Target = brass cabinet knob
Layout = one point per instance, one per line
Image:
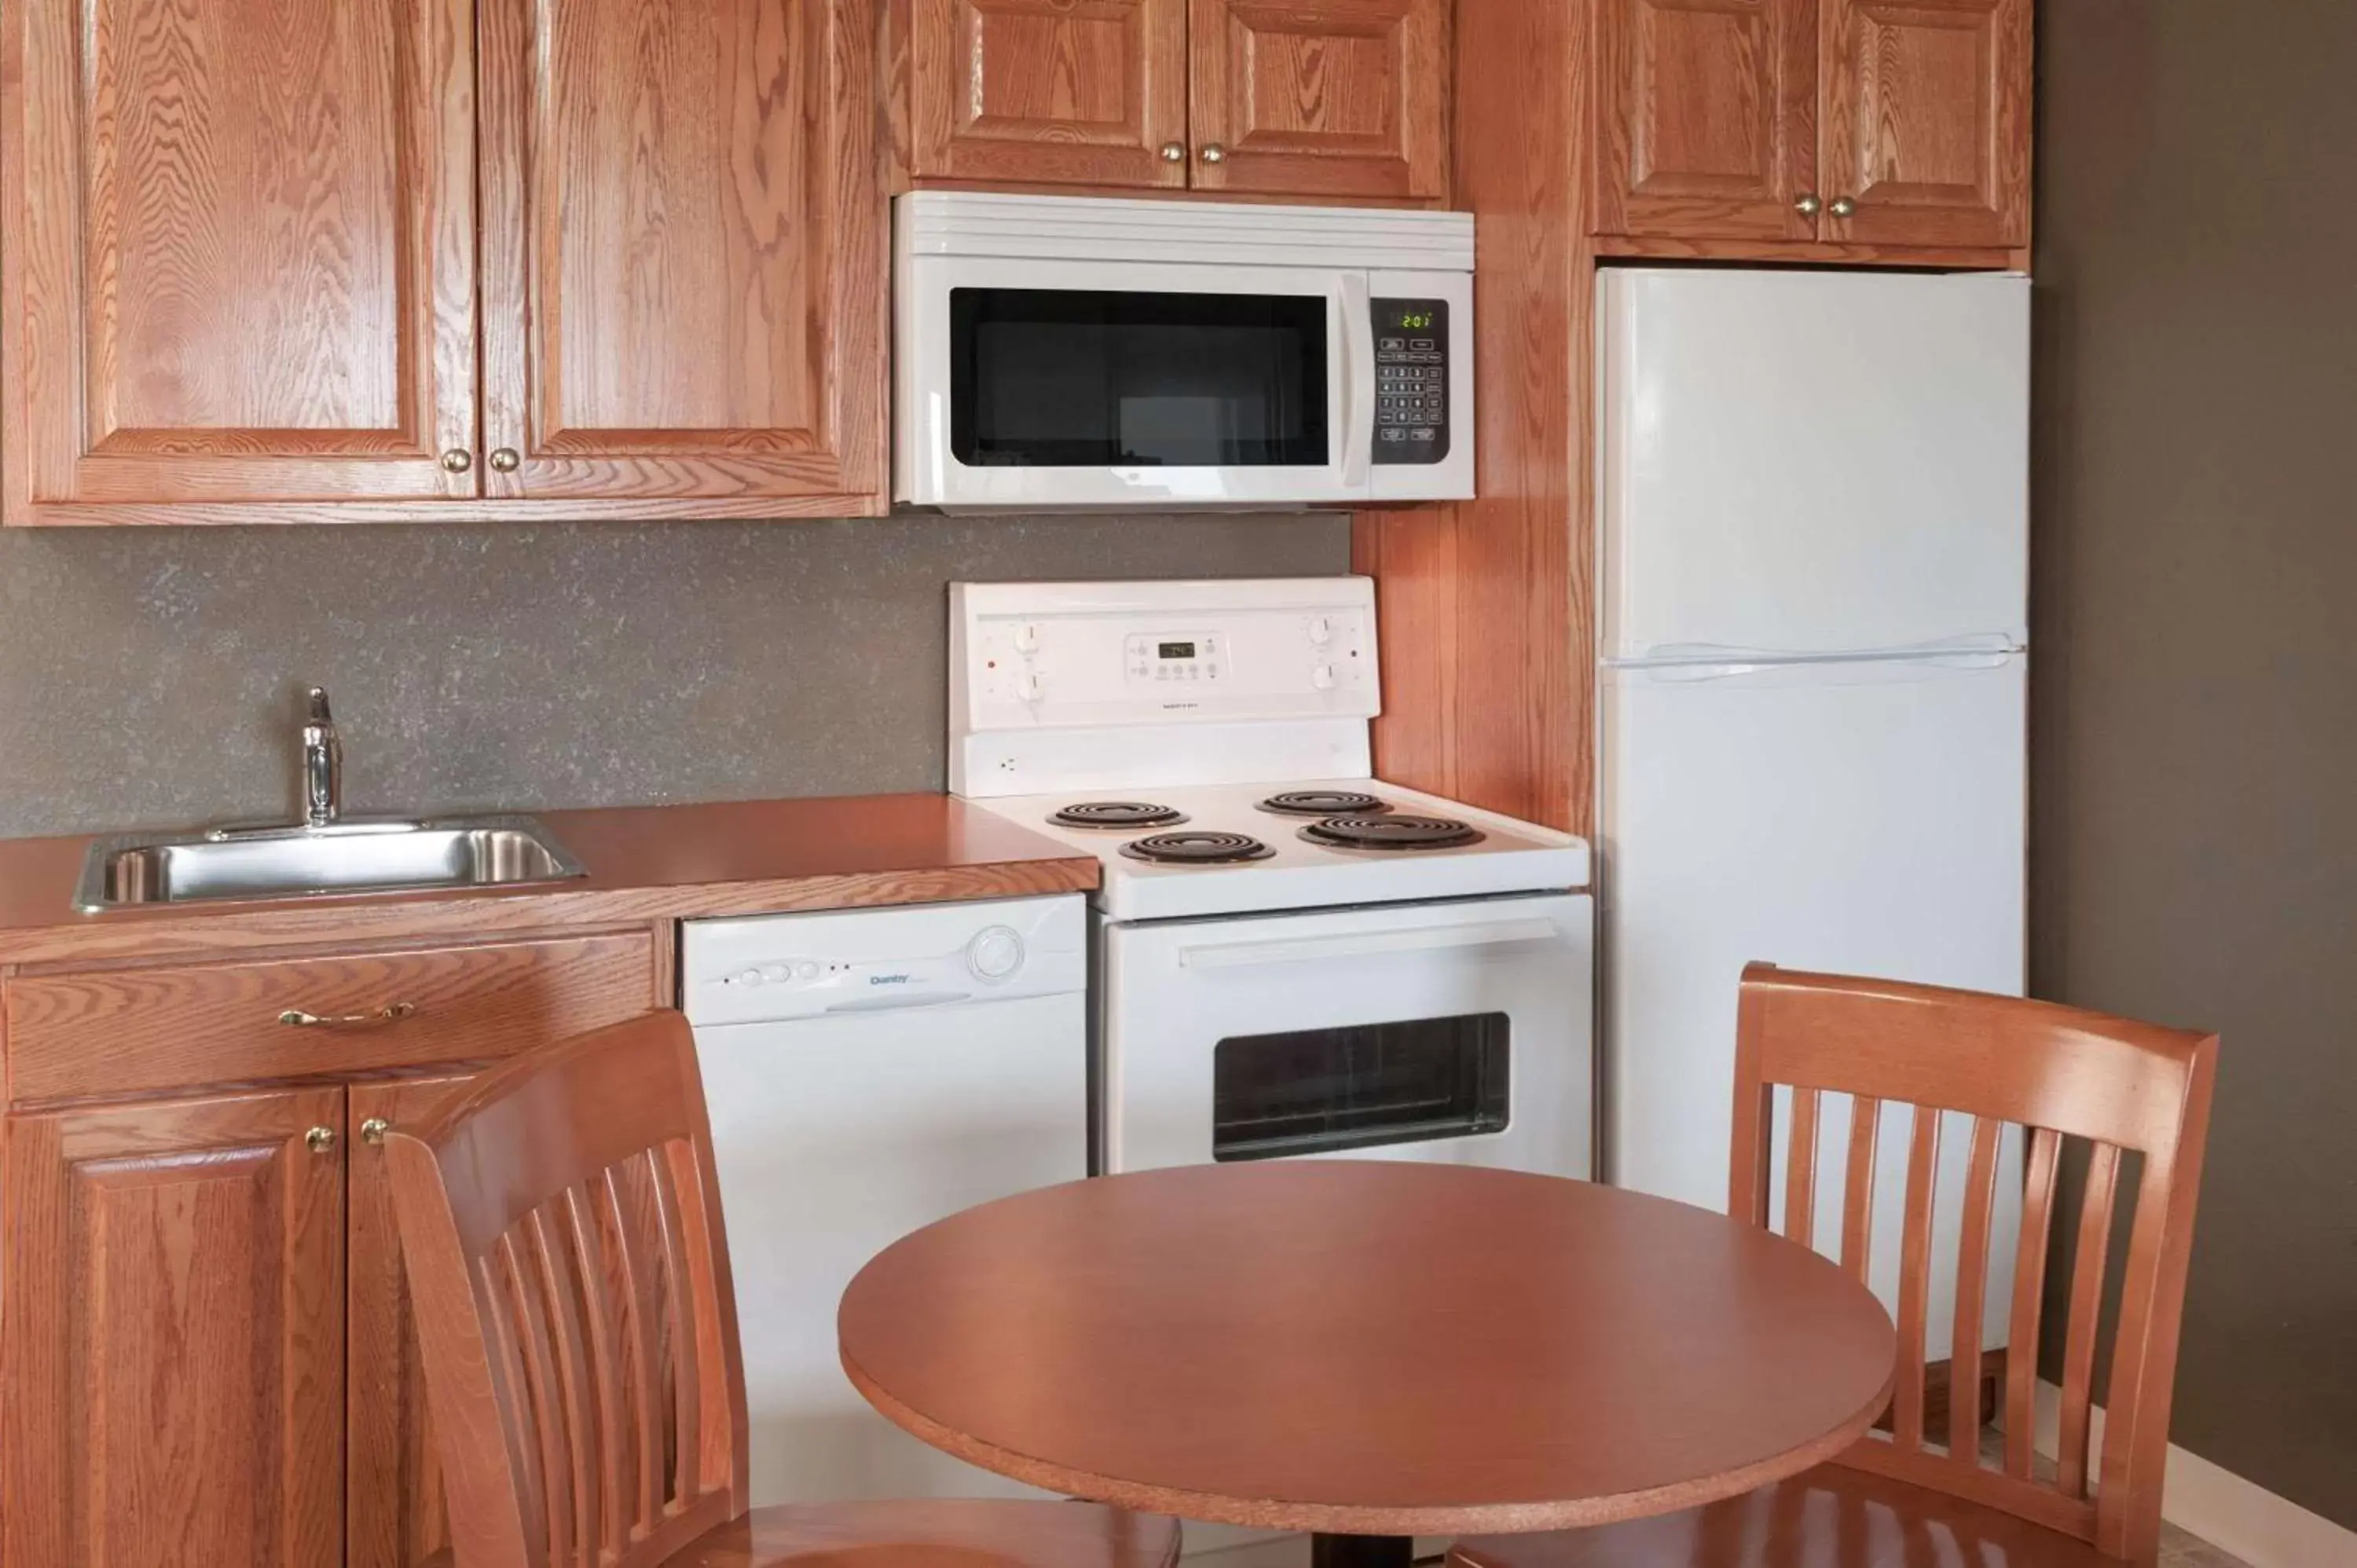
(373, 1129)
(1842, 207)
(458, 460)
(322, 1140)
(506, 459)
(1215, 153)
(1808, 206)
(1173, 152)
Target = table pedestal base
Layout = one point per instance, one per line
(1361, 1550)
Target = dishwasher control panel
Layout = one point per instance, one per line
(773, 967)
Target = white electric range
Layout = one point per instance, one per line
(1292, 957)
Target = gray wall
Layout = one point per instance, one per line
(2195, 835)
(148, 677)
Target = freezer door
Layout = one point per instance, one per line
(1861, 819)
(1810, 461)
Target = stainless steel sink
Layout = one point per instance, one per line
(299, 861)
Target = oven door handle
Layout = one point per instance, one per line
(1365, 944)
(1357, 380)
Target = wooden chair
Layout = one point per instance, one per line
(1905, 1498)
(562, 1227)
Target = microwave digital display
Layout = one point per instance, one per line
(1177, 650)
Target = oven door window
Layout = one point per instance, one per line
(1083, 379)
(1321, 1090)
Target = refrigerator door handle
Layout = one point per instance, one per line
(1714, 661)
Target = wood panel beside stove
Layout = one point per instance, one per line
(1485, 605)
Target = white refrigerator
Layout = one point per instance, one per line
(1812, 585)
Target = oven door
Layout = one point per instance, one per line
(1028, 383)
(1448, 1032)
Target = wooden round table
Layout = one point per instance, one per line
(1366, 1349)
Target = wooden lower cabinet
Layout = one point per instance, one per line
(174, 1362)
(394, 1512)
(206, 1358)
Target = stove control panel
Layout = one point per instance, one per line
(1060, 654)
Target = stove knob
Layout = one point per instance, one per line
(995, 954)
(1322, 677)
(1321, 631)
(1027, 639)
(1030, 686)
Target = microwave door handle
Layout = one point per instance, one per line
(1314, 950)
(1358, 359)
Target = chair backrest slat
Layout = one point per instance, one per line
(1857, 1184)
(562, 1235)
(2068, 1078)
(2029, 1299)
(2079, 1330)
(1972, 1288)
(1915, 1278)
(1801, 1170)
(586, 1240)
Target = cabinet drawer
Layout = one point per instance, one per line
(132, 1031)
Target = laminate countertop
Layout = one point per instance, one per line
(644, 863)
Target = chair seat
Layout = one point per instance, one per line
(937, 1534)
(1830, 1517)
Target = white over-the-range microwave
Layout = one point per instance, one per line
(1079, 353)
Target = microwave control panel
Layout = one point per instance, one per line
(1411, 380)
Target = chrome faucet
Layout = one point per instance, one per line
(323, 764)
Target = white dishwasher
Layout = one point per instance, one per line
(869, 1072)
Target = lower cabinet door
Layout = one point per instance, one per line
(394, 1512)
(174, 1360)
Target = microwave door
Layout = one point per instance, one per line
(1028, 384)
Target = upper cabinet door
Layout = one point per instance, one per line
(239, 251)
(1707, 118)
(1321, 97)
(1060, 92)
(1927, 121)
(683, 278)
(173, 1349)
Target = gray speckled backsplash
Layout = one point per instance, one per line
(148, 677)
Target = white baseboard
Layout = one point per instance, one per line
(2229, 1512)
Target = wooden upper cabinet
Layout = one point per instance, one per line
(683, 273)
(1707, 118)
(239, 251)
(1327, 98)
(1927, 110)
(172, 1354)
(1057, 91)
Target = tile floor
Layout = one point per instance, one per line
(2178, 1550)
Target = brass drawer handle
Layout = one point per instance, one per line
(320, 1140)
(373, 1129)
(391, 1012)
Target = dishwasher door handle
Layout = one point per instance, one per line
(903, 1001)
